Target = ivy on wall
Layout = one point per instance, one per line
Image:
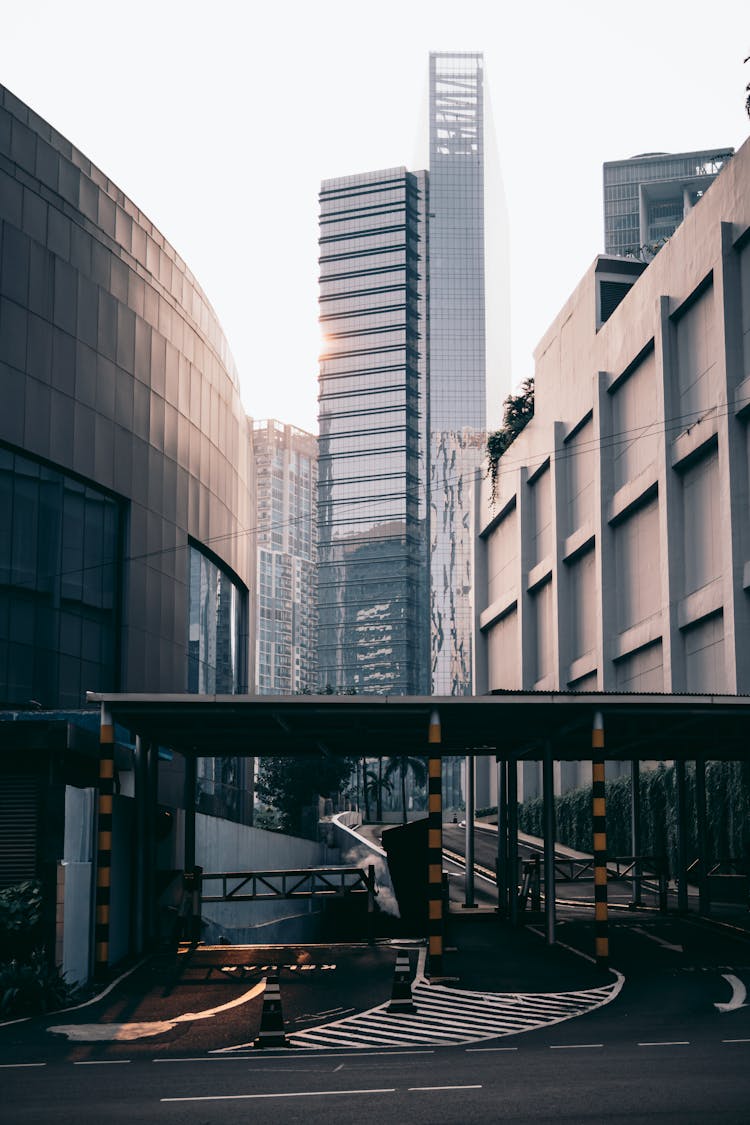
(727, 814)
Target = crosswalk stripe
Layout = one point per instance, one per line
(451, 1016)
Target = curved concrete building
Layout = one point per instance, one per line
(125, 490)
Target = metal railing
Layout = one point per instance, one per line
(312, 882)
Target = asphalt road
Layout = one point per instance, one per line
(577, 1076)
(673, 1045)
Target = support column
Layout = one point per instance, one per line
(141, 849)
(513, 841)
(501, 866)
(682, 889)
(189, 802)
(635, 828)
(150, 843)
(469, 899)
(599, 819)
(188, 922)
(434, 852)
(704, 899)
(548, 791)
(104, 841)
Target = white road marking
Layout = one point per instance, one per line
(125, 1032)
(215, 1058)
(298, 1094)
(452, 1016)
(573, 1046)
(228, 1052)
(668, 1043)
(658, 940)
(417, 1089)
(735, 1040)
(739, 994)
(19, 1066)
(102, 1062)
(108, 989)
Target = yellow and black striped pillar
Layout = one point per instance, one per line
(104, 840)
(435, 852)
(599, 812)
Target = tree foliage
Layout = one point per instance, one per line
(290, 785)
(518, 410)
(375, 786)
(727, 814)
(400, 768)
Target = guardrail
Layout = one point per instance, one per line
(312, 882)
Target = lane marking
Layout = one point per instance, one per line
(299, 1094)
(102, 1062)
(19, 1066)
(723, 1041)
(739, 994)
(668, 1043)
(573, 1046)
(658, 940)
(322, 1053)
(214, 1058)
(416, 1089)
(485, 1050)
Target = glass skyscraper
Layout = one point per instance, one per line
(405, 268)
(458, 404)
(285, 460)
(373, 584)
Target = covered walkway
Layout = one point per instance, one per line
(510, 726)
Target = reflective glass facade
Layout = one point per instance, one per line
(647, 197)
(457, 354)
(286, 473)
(216, 636)
(372, 477)
(59, 585)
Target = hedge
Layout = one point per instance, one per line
(727, 814)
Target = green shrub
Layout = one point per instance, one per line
(727, 814)
(21, 907)
(30, 987)
(20, 919)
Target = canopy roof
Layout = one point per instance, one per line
(507, 724)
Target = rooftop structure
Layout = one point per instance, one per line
(647, 197)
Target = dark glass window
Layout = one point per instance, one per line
(59, 585)
(216, 636)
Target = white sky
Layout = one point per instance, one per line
(220, 119)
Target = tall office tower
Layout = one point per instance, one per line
(648, 196)
(458, 351)
(373, 587)
(286, 481)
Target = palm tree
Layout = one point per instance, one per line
(365, 788)
(401, 766)
(375, 785)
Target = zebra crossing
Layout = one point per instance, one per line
(447, 1016)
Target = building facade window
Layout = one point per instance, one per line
(59, 585)
(216, 628)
